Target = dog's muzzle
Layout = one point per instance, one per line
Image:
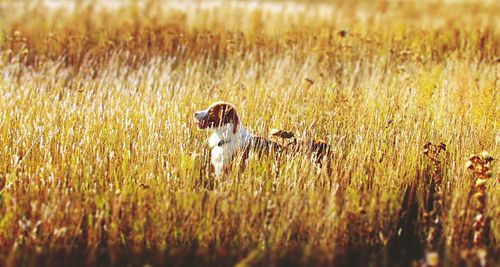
(201, 118)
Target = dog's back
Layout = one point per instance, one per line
(261, 147)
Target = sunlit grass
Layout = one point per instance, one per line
(99, 149)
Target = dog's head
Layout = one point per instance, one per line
(217, 115)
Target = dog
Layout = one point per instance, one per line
(230, 138)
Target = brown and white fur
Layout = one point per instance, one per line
(229, 138)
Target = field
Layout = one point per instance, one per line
(101, 162)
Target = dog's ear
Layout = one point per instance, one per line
(236, 120)
(229, 115)
(221, 113)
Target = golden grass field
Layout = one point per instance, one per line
(101, 162)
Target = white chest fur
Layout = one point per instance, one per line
(225, 144)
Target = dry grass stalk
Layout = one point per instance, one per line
(121, 165)
(434, 215)
(481, 167)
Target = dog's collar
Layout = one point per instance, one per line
(223, 142)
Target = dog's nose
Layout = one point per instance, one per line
(200, 115)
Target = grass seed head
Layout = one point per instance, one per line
(342, 33)
(432, 258)
(481, 164)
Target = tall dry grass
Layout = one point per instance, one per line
(100, 158)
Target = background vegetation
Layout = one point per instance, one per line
(101, 163)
